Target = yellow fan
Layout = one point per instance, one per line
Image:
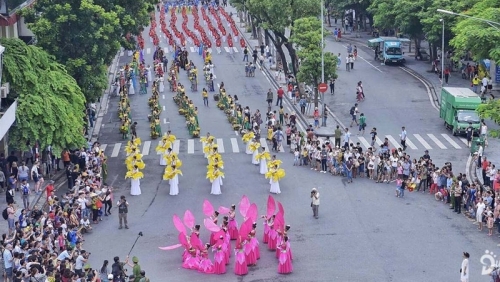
(137, 141)
(213, 174)
(140, 164)
(248, 137)
(254, 146)
(264, 156)
(170, 138)
(212, 157)
(274, 163)
(134, 174)
(130, 148)
(170, 174)
(178, 163)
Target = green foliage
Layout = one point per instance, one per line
(491, 110)
(81, 35)
(477, 36)
(307, 37)
(401, 14)
(50, 103)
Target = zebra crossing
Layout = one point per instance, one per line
(415, 141)
(236, 145)
(189, 146)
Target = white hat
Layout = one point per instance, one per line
(110, 276)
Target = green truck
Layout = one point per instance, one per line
(458, 109)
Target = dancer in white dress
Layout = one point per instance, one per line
(255, 147)
(263, 162)
(216, 183)
(150, 75)
(135, 184)
(247, 148)
(275, 187)
(162, 84)
(131, 90)
(174, 184)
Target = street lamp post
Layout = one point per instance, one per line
(491, 23)
(323, 120)
(442, 54)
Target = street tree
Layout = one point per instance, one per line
(79, 34)
(491, 110)
(307, 38)
(276, 17)
(50, 103)
(133, 15)
(476, 36)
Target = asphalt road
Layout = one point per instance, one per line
(364, 233)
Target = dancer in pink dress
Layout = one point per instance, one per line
(191, 261)
(214, 219)
(285, 263)
(273, 235)
(233, 224)
(254, 241)
(281, 235)
(240, 266)
(226, 245)
(250, 257)
(219, 258)
(265, 237)
(206, 265)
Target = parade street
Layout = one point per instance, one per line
(363, 233)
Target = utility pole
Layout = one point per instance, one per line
(323, 123)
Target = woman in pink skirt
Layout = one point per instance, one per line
(281, 235)
(226, 246)
(250, 257)
(206, 265)
(191, 261)
(214, 219)
(254, 242)
(285, 263)
(233, 224)
(273, 235)
(219, 260)
(240, 266)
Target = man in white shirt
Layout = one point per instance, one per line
(346, 138)
(403, 138)
(80, 261)
(464, 269)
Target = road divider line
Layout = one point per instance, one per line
(234, 145)
(451, 141)
(263, 143)
(190, 146)
(177, 145)
(422, 141)
(220, 145)
(435, 140)
(145, 148)
(163, 108)
(410, 144)
(393, 141)
(103, 147)
(116, 150)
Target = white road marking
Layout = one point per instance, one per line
(422, 141)
(220, 145)
(410, 144)
(177, 145)
(234, 145)
(130, 53)
(165, 50)
(148, 51)
(164, 108)
(116, 150)
(236, 132)
(393, 141)
(439, 143)
(158, 153)
(263, 143)
(122, 53)
(190, 146)
(103, 147)
(378, 142)
(164, 121)
(375, 67)
(163, 96)
(235, 49)
(192, 49)
(364, 142)
(145, 148)
(464, 141)
(227, 49)
(451, 141)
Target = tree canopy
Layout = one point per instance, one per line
(50, 104)
(307, 38)
(477, 36)
(491, 110)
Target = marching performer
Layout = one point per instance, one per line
(247, 139)
(215, 176)
(163, 147)
(135, 184)
(263, 157)
(172, 175)
(254, 147)
(205, 141)
(274, 175)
